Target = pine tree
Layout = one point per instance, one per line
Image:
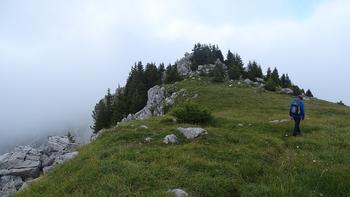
(230, 58)
(296, 90)
(234, 72)
(254, 71)
(288, 81)
(152, 76)
(270, 85)
(161, 71)
(119, 106)
(268, 74)
(218, 73)
(171, 74)
(309, 93)
(99, 116)
(109, 110)
(283, 80)
(275, 76)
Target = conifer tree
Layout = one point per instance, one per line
(119, 106)
(161, 72)
(171, 74)
(218, 73)
(309, 93)
(275, 76)
(254, 71)
(99, 116)
(109, 110)
(152, 76)
(268, 74)
(234, 72)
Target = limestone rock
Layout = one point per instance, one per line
(178, 192)
(170, 139)
(191, 133)
(94, 136)
(9, 185)
(287, 91)
(24, 161)
(184, 65)
(66, 157)
(61, 144)
(154, 106)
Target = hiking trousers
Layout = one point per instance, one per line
(296, 130)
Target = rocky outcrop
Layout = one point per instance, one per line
(156, 103)
(191, 133)
(154, 106)
(184, 65)
(26, 163)
(9, 185)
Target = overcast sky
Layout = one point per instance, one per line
(57, 58)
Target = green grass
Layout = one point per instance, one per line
(254, 160)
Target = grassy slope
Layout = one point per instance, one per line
(253, 160)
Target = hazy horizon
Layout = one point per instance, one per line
(58, 58)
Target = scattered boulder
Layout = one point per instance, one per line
(61, 144)
(170, 139)
(240, 125)
(178, 192)
(191, 133)
(143, 127)
(248, 82)
(148, 140)
(260, 80)
(279, 121)
(287, 91)
(66, 157)
(205, 69)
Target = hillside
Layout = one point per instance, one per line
(243, 154)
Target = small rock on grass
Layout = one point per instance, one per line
(178, 192)
(143, 127)
(170, 139)
(148, 139)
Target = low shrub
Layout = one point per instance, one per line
(192, 113)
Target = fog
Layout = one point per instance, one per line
(57, 58)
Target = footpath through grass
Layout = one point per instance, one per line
(255, 159)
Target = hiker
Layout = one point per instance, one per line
(296, 111)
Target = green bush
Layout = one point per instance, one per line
(192, 113)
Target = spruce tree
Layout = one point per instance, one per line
(284, 82)
(268, 74)
(254, 71)
(99, 116)
(152, 76)
(234, 72)
(309, 93)
(109, 110)
(218, 73)
(119, 106)
(275, 76)
(270, 85)
(171, 74)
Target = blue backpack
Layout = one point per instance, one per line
(294, 109)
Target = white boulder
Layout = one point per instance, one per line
(191, 133)
(170, 139)
(178, 192)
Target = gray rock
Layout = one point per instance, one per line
(191, 133)
(205, 69)
(171, 100)
(154, 106)
(248, 82)
(184, 65)
(9, 185)
(148, 140)
(48, 169)
(170, 139)
(94, 136)
(66, 157)
(61, 144)
(260, 80)
(287, 91)
(178, 192)
(143, 127)
(24, 161)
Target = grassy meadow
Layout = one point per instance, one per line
(242, 155)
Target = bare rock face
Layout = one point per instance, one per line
(191, 133)
(9, 185)
(184, 65)
(154, 106)
(24, 162)
(60, 144)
